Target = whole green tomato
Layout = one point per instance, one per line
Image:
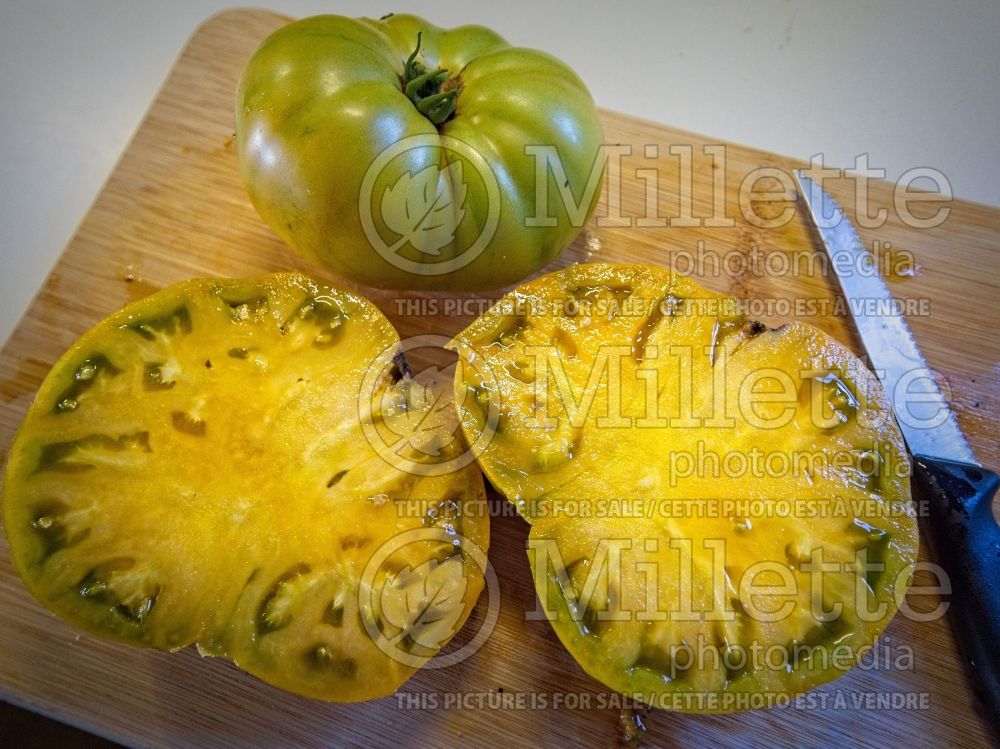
(402, 155)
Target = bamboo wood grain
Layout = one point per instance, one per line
(174, 208)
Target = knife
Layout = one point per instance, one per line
(958, 492)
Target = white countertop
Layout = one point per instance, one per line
(913, 84)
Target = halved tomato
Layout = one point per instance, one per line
(203, 467)
(717, 508)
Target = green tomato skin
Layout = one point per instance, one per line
(323, 97)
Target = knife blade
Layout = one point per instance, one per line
(958, 493)
(921, 410)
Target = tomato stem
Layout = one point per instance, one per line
(438, 107)
(423, 88)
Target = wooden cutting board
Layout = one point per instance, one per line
(174, 208)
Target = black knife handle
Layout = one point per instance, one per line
(966, 541)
